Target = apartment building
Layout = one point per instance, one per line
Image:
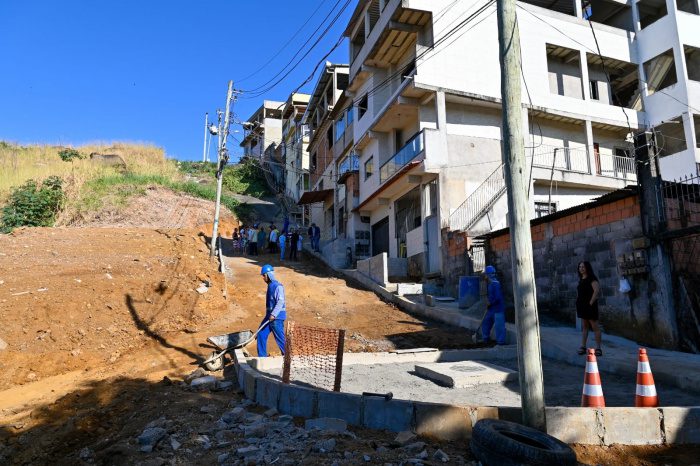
(322, 173)
(262, 138)
(295, 138)
(425, 83)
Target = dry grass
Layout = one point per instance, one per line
(21, 163)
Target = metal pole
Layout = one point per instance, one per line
(526, 320)
(223, 158)
(206, 128)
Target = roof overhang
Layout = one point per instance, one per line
(312, 197)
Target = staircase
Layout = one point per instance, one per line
(479, 202)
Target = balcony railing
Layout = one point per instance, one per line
(560, 158)
(406, 154)
(616, 166)
(348, 165)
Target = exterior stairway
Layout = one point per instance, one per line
(478, 203)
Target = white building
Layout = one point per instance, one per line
(263, 135)
(425, 81)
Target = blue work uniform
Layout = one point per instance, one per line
(496, 313)
(275, 306)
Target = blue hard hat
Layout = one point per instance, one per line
(267, 268)
(490, 270)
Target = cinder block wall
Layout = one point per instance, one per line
(597, 234)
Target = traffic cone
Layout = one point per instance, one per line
(646, 390)
(592, 388)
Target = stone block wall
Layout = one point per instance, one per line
(597, 234)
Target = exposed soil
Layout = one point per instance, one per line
(102, 322)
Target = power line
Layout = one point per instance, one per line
(287, 42)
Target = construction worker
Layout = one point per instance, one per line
(496, 310)
(275, 312)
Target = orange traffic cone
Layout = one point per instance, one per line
(592, 388)
(646, 390)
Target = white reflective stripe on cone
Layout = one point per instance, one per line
(643, 367)
(591, 367)
(646, 390)
(592, 390)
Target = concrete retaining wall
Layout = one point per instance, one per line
(607, 426)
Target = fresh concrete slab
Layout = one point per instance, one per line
(465, 373)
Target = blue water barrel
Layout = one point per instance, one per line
(468, 291)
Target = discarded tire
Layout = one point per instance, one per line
(504, 443)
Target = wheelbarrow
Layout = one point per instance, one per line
(228, 342)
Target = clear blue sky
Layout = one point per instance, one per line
(82, 71)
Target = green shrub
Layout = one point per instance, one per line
(246, 178)
(33, 204)
(68, 155)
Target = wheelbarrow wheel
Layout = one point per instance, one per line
(215, 364)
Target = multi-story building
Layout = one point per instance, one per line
(425, 82)
(322, 178)
(263, 135)
(295, 137)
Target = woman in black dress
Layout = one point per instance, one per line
(587, 305)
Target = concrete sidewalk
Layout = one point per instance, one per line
(620, 355)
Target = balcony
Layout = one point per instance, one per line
(348, 166)
(560, 158)
(411, 150)
(616, 166)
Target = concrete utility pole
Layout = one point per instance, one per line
(206, 130)
(222, 160)
(526, 320)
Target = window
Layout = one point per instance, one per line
(670, 137)
(650, 11)
(362, 106)
(609, 12)
(369, 167)
(689, 6)
(340, 127)
(350, 116)
(692, 62)
(660, 71)
(594, 90)
(564, 70)
(313, 161)
(545, 208)
(358, 41)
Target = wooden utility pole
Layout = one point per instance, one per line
(222, 160)
(526, 320)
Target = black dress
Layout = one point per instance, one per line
(583, 308)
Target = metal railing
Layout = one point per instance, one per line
(681, 202)
(349, 164)
(479, 202)
(616, 166)
(560, 158)
(408, 152)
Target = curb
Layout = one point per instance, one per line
(605, 426)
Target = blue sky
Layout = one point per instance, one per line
(73, 71)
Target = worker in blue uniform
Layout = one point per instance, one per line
(275, 312)
(496, 310)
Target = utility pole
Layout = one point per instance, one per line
(524, 295)
(206, 130)
(222, 160)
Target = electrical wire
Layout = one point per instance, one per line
(286, 44)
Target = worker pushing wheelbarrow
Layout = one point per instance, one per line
(275, 315)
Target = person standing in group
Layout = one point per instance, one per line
(587, 306)
(300, 243)
(495, 308)
(244, 240)
(235, 240)
(275, 312)
(293, 245)
(253, 239)
(273, 239)
(261, 239)
(283, 244)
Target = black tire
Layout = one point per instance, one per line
(503, 443)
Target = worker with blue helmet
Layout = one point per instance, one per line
(275, 312)
(496, 310)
